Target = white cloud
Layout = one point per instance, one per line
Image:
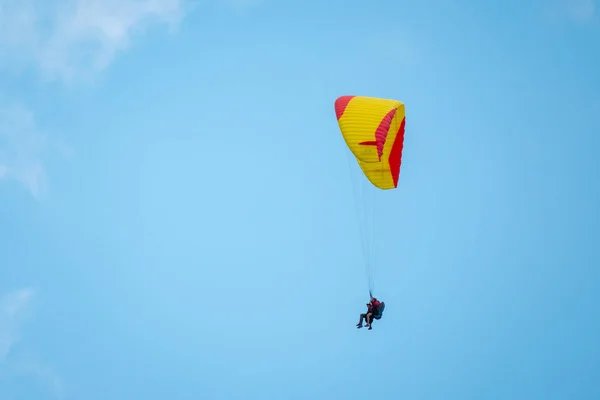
(578, 11)
(43, 373)
(14, 308)
(69, 39)
(66, 40)
(581, 10)
(21, 149)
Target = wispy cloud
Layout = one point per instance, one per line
(65, 40)
(21, 149)
(14, 308)
(70, 39)
(577, 11)
(41, 372)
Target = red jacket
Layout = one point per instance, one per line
(373, 306)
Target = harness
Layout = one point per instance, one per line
(378, 312)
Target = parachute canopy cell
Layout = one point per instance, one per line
(373, 129)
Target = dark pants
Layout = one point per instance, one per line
(364, 317)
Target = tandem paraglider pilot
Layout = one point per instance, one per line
(374, 311)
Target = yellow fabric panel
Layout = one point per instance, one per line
(379, 173)
(359, 123)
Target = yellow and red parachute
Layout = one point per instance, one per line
(373, 130)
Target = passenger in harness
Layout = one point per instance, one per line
(374, 311)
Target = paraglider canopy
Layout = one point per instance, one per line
(373, 129)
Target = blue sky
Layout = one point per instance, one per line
(177, 218)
